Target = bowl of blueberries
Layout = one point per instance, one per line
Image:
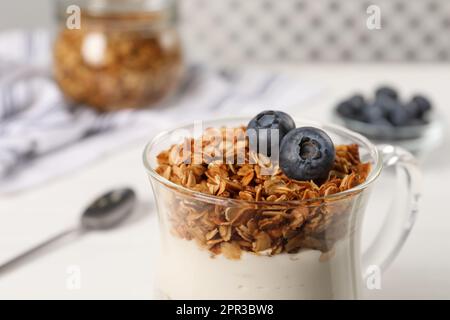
(386, 117)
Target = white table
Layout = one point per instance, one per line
(118, 264)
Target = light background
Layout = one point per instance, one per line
(421, 271)
(25, 14)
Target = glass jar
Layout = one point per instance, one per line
(122, 53)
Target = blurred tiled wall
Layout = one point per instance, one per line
(324, 30)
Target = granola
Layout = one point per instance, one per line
(279, 215)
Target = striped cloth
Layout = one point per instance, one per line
(42, 136)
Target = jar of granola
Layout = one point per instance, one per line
(114, 54)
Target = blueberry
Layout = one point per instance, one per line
(386, 91)
(400, 116)
(307, 153)
(352, 107)
(414, 110)
(346, 110)
(423, 105)
(373, 113)
(270, 120)
(387, 104)
(357, 101)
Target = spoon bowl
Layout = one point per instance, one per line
(109, 210)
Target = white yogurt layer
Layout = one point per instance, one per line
(188, 272)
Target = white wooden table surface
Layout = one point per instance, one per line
(119, 264)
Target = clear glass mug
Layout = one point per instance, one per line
(331, 268)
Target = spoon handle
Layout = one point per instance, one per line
(40, 249)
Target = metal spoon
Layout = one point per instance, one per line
(106, 212)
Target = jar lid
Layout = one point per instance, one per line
(123, 14)
(100, 7)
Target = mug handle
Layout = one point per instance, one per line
(402, 213)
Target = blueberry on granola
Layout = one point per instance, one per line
(307, 153)
(263, 125)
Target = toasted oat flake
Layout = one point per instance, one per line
(326, 256)
(211, 234)
(225, 232)
(231, 250)
(263, 242)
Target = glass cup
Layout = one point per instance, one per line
(326, 260)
